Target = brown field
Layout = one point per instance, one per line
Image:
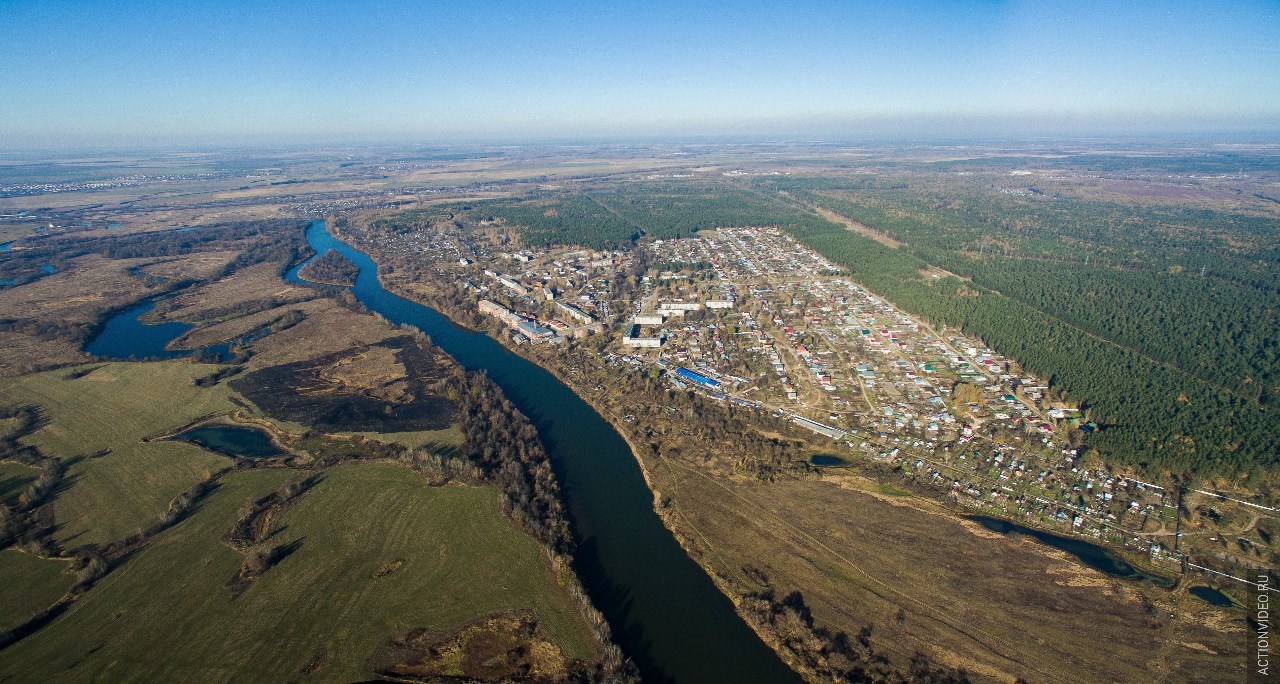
(257, 283)
(923, 579)
(327, 328)
(23, 353)
(199, 266)
(14, 231)
(78, 295)
(82, 292)
(857, 227)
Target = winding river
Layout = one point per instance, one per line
(665, 612)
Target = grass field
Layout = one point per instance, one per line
(14, 478)
(30, 585)
(450, 436)
(167, 615)
(115, 407)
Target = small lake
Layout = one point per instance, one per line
(827, 461)
(137, 272)
(1091, 555)
(1211, 595)
(126, 336)
(232, 440)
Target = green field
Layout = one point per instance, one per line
(115, 407)
(448, 437)
(167, 615)
(14, 478)
(30, 585)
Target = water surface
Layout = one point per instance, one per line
(126, 336)
(1092, 555)
(1211, 595)
(232, 440)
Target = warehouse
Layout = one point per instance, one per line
(696, 377)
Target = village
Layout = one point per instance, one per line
(753, 317)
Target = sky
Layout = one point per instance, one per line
(122, 72)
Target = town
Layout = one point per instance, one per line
(753, 317)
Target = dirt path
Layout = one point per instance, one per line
(855, 226)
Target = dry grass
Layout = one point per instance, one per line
(998, 607)
(82, 292)
(236, 328)
(327, 328)
(373, 370)
(254, 284)
(198, 266)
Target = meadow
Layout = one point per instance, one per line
(116, 483)
(325, 611)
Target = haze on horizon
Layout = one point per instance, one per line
(90, 73)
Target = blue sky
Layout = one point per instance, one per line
(104, 72)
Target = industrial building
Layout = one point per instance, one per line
(697, 377)
(516, 322)
(533, 331)
(827, 430)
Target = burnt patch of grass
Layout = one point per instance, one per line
(315, 392)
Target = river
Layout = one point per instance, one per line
(665, 612)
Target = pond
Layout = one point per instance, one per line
(232, 440)
(1090, 554)
(126, 336)
(827, 460)
(1211, 595)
